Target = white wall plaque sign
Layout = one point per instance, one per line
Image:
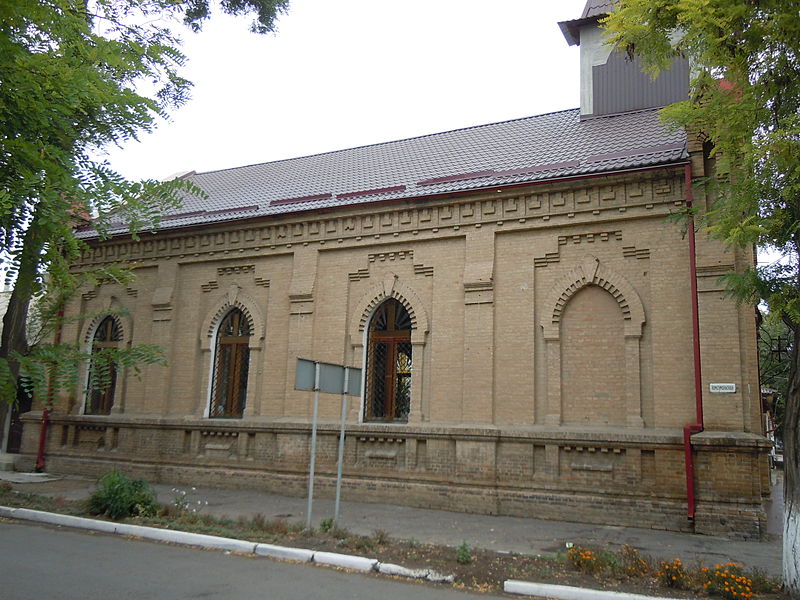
(722, 388)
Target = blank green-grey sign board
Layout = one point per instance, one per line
(331, 378)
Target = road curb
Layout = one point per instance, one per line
(565, 592)
(284, 552)
(347, 561)
(185, 538)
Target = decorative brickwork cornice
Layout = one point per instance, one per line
(550, 205)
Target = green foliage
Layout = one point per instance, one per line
(72, 74)
(728, 581)
(47, 369)
(69, 87)
(119, 496)
(584, 559)
(50, 368)
(745, 106)
(745, 101)
(775, 343)
(626, 562)
(672, 574)
(326, 524)
(632, 563)
(8, 383)
(463, 553)
(267, 11)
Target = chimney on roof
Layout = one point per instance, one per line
(611, 83)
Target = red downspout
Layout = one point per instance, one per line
(46, 412)
(39, 468)
(697, 426)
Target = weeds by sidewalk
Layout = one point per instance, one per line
(624, 570)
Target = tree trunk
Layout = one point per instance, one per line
(14, 337)
(791, 471)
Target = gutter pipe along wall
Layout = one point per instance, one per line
(697, 426)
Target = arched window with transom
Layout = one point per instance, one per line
(388, 379)
(231, 360)
(102, 379)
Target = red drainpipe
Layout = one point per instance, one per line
(697, 426)
(46, 412)
(39, 468)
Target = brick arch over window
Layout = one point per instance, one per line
(592, 272)
(231, 366)
(234, 298)
(122, 323)
(378, 293)
(375, 295)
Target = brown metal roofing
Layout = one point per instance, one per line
(539, 148)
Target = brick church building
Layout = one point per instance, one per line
(520, 304)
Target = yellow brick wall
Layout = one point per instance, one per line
(552, 348)
(593, 359)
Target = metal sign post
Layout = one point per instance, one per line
(340, 460)
(313, 447)
(329, 379)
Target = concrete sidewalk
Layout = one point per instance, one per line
(523, 535)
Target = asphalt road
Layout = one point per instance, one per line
(39, 563)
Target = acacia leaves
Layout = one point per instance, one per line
(49, 369)
(77, 76)
(267, 12)
(745, 103)
(69, 72)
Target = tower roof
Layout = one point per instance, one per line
(592, 12)
(597, 8)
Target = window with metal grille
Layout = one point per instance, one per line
(388, 380)
(231, 358)
(102, 379)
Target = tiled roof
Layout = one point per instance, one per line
(531, 149)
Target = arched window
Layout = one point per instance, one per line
(102, 373)
(231, 358)
(388, 380)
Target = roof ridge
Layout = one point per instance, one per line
(416, 137)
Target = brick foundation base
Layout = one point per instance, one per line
(632, 482)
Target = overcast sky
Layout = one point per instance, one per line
(345, 73)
